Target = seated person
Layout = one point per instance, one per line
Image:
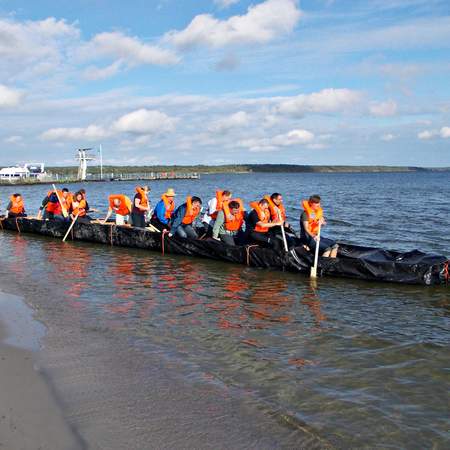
(258, 224)
(310, 220)
(229, 223)
(121, 205)
(278, 212)
(214, 206)
(163, 211)
(80, 207)
(15, 207)
(183, 219)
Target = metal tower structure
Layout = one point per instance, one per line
(83, 158)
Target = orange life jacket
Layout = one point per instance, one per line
(276, 211)
(313, 217)
(263, 216)
(169, 204)
(233, 222)
(17, 206)
(125, 204)
(144, 197)
(219, 206)
(79, 207)
(191, 212)
(57, 207)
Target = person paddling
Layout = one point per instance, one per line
(16, 207)
(56, 204)
(80, 207)
(310, 220)
(163, 211)
(258, 224)
(141, 206)
(215, 205)
(184, 217)
(121, 205)
(278, 212)
(228, 225)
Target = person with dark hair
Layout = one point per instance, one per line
(229, 223)
(278, 212)
(310, 221)
(80, 207)
(141, 206)
(214, 206)
(259, 223)
(56, 205)
(16, 207)
(184, 217)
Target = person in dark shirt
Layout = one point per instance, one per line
(141, 206)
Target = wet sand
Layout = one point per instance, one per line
(30, 417)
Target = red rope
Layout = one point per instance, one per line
(446, 272)
(111, 235)
(163, 235)
(17, 224)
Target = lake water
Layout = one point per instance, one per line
(357, 364)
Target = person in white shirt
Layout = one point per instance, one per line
(214, 206)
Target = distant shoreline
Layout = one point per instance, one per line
(249, 168)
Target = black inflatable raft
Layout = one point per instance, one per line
(357, 262)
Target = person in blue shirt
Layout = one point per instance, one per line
(183, 219)
(163, 211)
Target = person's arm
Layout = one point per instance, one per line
(137, 204)
(177, 219)
(269, 224)
(9, 206)
(218, 224)
(212, 206)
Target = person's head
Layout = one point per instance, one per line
(65, 192)
(196, 202)
(116, 202)
(170, 193)
(226, 195)
(234, 207)
(314, 202)
(17, 197)
(277, 198)
(79, 196)
(145, 188)
(263, 204)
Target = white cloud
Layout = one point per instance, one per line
(426, 134)
(96, 73)
(129, 50)
(13, 139)
(144, 121)
(383, 109)
(325, 101)
(387, 137)
(90, 133)
(445, 132)
(225, 3)
(9, 97)
(262, 23)
(292, 138)
(236, 120)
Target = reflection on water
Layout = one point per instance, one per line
(363, 365)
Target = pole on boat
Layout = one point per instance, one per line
(63, 210)
(101, 162)
(316, 256)
(70, 228)
(283, 232)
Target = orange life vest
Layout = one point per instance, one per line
(125, 204)
(263, 216)
(144, 197)
(276, 211)
(57, 207)
(17, 206)
(169, 204)
(233, 222)
(191, 212)
(313, 217)
(79, 207)
(219, 206)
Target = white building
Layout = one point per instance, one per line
(27, 171)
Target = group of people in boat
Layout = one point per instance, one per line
(225, 218)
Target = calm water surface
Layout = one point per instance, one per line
(360, 364)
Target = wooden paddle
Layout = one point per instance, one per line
(70, 228)
(316, 256)
(63, 210)
(283, 232)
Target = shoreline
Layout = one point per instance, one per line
(30, 417)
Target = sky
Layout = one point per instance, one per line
(360, 82)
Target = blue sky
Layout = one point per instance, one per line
(226, 81)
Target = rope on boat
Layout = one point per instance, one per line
(111, 235)
(17, 225)
(247, 249)
(163, 235)
(1, 223)
(445, 272)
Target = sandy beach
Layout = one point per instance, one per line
(30, 417)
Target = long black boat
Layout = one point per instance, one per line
(364, 263)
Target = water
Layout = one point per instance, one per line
(358, 364)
